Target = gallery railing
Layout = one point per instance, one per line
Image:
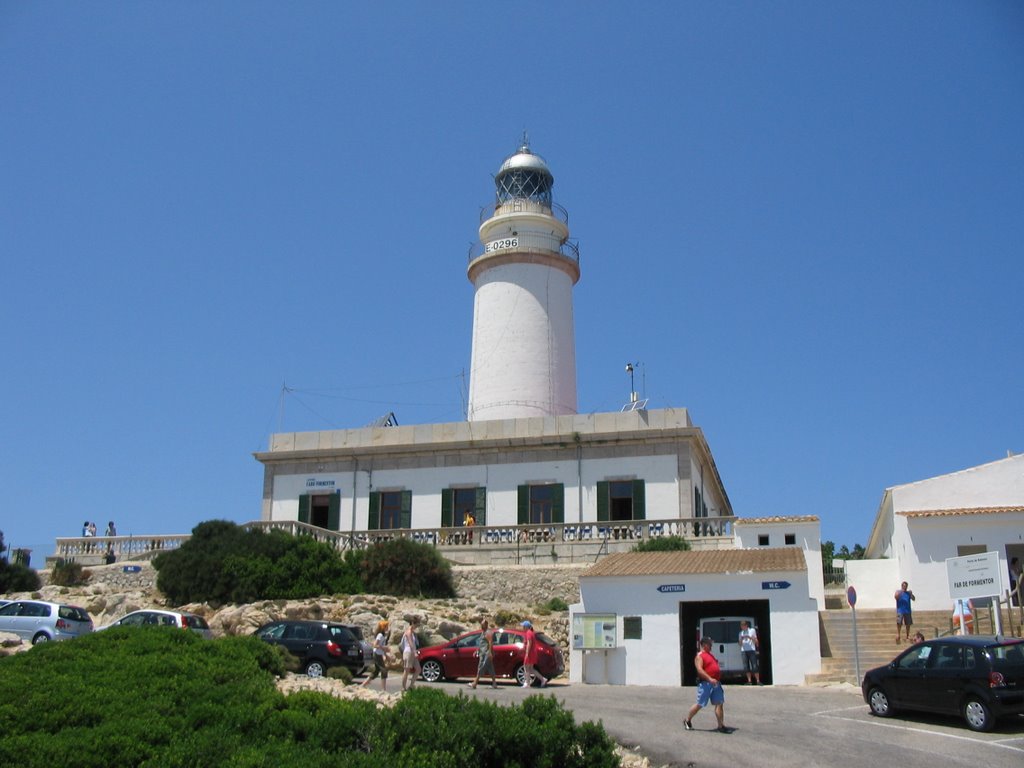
(136, 547)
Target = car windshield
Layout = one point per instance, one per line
(195, 622)
(1008, 655)
(343, 634)
(73, 613)
(545, 639)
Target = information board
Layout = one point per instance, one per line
(974, 575)
(593, 631)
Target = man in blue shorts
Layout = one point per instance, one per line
(904, 618)
(709, 687)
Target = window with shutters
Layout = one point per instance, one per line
(390, 510)
(619, 500)
(541, 504)
(457, 504)
(321, 509)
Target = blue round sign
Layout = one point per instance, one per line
(851, 595)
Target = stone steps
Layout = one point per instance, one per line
(876, 645)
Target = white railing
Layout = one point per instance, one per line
(138, 547)
(122, 547)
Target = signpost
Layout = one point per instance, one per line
(775, 585)
(131, 568)
(851, 596)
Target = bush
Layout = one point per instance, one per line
(225, 563)
(15, 577)
(555, 605)
(504, 618)
(68, 573)
(159, 696)
(663, 544)
(339, 673)
(406, 568)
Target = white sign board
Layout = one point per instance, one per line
(974, 576)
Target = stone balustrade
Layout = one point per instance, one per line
(92, 550)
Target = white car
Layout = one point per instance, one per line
(156, 617)
(38, 621)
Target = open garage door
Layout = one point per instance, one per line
(693, 614)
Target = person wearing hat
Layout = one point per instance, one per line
(709, 687)
(530, 658)
(380, 657)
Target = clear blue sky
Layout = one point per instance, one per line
(805, 220)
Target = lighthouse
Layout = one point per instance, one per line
(523, 273)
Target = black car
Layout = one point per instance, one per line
(978, 677)
(317, 644)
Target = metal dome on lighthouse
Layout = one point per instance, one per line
(524, 348)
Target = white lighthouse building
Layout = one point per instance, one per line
(524, 349)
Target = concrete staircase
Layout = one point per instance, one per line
(876, 638)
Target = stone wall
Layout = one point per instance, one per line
(520, 584)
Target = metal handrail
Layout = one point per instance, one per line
(524, 206)
(532, 243)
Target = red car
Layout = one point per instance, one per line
(458, 657)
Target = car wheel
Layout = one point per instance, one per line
(879, 703)
(315, 668)
(42, 637)
(432, 671)
(520, 675)
(977, 715)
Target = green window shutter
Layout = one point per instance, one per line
(524, 505)
(405, 516)
(480, 510)
(602, 501)
(334, 513)
(446, 507)
(639, 506)
(373, 523)
(558, 504)
(304, 508)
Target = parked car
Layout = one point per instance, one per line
(155, 617)
(318, 644)
(458, 657)
(978, 677)
(38, 621)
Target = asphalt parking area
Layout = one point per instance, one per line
(775, 727)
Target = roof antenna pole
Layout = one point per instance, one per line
(280, 415)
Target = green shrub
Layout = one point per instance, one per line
(225, 563)
(68, 573)
(663, 544)
(406, 568)
(339, 673)
(504, 618)
(555, 605)
(15, 577)
(159, 696)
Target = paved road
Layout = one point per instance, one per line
(776, 727)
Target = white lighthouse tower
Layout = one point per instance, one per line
(524, 347)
